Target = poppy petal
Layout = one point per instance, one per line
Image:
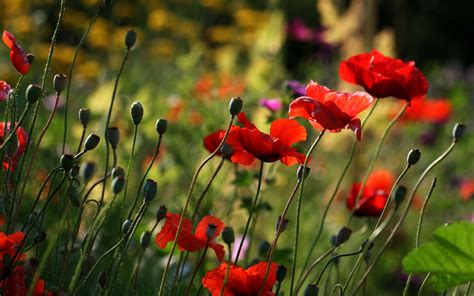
(288, 131)
(202, 226)
(8, 39)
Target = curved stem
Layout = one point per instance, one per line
(311, 268)
(15, 127)
(227, 270)
(135, 274)
(332, 260)
(201, 260)
(127, 176)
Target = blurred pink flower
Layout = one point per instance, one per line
(5, 88)
(235, 248)
(273, 104)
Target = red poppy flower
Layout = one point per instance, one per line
(187, 240)
(431, 111)
(5, 89)
(241, 282)
(16, 284)
(213, 140)
(383, 76)
(249, 143)
(18, 56)
(466, 189)
(22, 141)
(9, 244)
(331, 110)
(374, 195)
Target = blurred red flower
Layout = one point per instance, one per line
(18, 56)
(213, 140)
(249, 143)
(5, 88)
(9, 244)
(16, 284)
(466, 189)
(187, 240)
(22, 141)
(241, 282)
(331, 110)
(374, 195)
(383, 76)
(431, 111)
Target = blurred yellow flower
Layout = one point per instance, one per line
(160, 18)
(100, 35)
(221, 33)
(164, 48)
(20, 24)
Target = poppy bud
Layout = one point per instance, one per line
(458, 131)
(149, 190)
(400, 193)
(226, 150)
(235, 106)
(67, 161)
(263, 248)
(33, 93)
(130, 39)
(161, 126)
(12, 146)
(113, 136)
(136, 110)
(161, 213)
(117, 184)
(228, 235)
(211, 231)
(299, 173)
(103, 279)
(281, 273)
(59, 82)
(84, 116)
(118, 172)
(311, 290)
(91, 142)
(87, 170)
(281, 225)
(74, 172)
(74, 196)
(126, 226)
(39, 237)
(30, 57)
(343, 235)
(145, 239)
(413, 156)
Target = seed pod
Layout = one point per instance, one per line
(299, 173)
(400, 193)
(130, 39)
(228, 235)
(281, 273)
(413, 156)
(59, 82)
(91, 142)
(145, 239)
(283, 226)
(74, 196)
(263, 248)
(33, 93)
(30, 57)
(161, 213)
(136, 110)
(113, 136)
(311, 290)
(126, 226)
(84, 116)
(118, 184)
(342, 236)
(74, 172)
(118, 172)
(87, 170)
(149, 190)
(67, 161)
(103, 279)
(458, 131)
(235, 106)
(161, 126)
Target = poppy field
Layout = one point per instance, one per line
(244, 148)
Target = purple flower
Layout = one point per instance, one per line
(273, 105)
(236, 245)
(297, 87)
(5, 88)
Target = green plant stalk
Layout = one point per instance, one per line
(227, 269)
(83, 135)
(201, 260)
(11, 132)
(127, 176)
(418, 230)
(298, 209)
(333, 195)
(405, 211)
(333, 259)
(375, 156)
(310, 269)
(252, 209)
(135, 274)
(188, 198)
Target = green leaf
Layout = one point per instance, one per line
(449, 258)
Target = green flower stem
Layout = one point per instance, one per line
(227, 270)
(334, 259)
(71, 70)
(83, 135)
(468, 288)
(336, 287)
(298, 209)
(135, 274)
(375, 156)
(11, 132)
(334, 193)
(127, 176)
(425, 280)
(201, 260)
(252, 209)
(405, 212)
(188, 198)
(313, 265)
(418, 230)
(137, 197)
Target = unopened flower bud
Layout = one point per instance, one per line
(103, 279)
(126, 226)
(118, 184)
(161, 126)
(113, 136)
(235, 106)
(311, 290)
(59, 82)
(84, 116)
(149, 190)
(299, 173)
(342, 236)
(458, 131)
(413, 156)
(30, 57)
(67, 161)
(130, 39)
(228, 235)
(210, 231)
(400, 193)
(161, 213)
(136, 110)
(74, 172)
(118, 172)
(33, 93)
(39, 237)
(74, 196)
(281, 273)
(91, 142)
(87, 170)
(263, 248)
(145, 239)
(281, 225)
